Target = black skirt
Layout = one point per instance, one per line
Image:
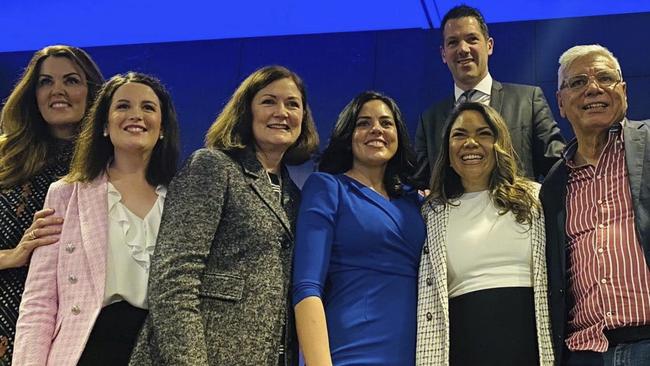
(493, 327)
(113, 336)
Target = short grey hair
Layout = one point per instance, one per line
(575, 52)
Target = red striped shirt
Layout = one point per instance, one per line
(608, 274)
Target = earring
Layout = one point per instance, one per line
(105, 132)
(161, 136)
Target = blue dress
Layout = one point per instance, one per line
(360, 252)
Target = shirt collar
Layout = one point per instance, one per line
(484, 86)
(571, 148)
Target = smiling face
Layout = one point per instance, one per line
(134, 119)
(594, 108)
(277, 116)
(471, 150)
(61, 94)
(374, 140)
(465, 51)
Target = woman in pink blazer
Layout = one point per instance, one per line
(85, 295)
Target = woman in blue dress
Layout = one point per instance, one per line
(358, 242)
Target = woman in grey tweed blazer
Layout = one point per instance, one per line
(220, 275)
(482, 282)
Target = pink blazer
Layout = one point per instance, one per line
(65, 285)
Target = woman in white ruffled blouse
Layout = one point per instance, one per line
(85, 296)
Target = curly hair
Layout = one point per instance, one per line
(509, 189)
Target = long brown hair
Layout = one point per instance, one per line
(233, 128)
(25, 136)
(509, 189)
(94, 151)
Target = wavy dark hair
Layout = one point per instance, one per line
(509, 189)
(233, 128)
(337, 157)
(94, 151)
(26, 138)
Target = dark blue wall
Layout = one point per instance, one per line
(405, 64)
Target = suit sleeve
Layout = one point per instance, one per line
(314, 236)
(190, 218)
(423, 168)
(39, 306)
(548, 141)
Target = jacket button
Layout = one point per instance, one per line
(72, 279)
(75, 310)
(69, 247)
(429, 281)
(429, 316)
(426, 249)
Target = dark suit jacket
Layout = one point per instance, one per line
(535, 134)
(220, 275)
(553, 196)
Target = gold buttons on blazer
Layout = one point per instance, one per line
(75, 310)
(72, 279)
(69, 247)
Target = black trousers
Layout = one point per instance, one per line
(493, 327)
(113, 336)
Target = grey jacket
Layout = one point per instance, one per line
(220, 275)
(535, 135)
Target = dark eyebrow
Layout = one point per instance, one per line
(65, 76)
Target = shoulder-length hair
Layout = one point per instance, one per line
(94, 151)
(25, 135)
(233, 128)
(337, 157)
(509, 189)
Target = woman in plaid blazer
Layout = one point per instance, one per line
(482, 281)
(85, 295)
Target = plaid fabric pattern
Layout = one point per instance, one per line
(432, 346)
(65, 285)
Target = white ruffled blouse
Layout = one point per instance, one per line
(131, 241)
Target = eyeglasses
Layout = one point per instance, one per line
(604, 79)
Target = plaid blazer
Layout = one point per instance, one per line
(65, 285)
(433, 301)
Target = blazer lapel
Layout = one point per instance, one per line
(93, 220)
(496, 99)
(635, 145)
(259, 183)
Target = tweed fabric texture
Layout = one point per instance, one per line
(220, 274)
(432, 347)
(57, 314)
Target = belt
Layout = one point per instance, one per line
(627, 334)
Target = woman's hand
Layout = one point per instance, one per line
(43, 231)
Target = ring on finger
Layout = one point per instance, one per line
(32, 235)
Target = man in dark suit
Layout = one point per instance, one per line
(465, 49)
(597, 210)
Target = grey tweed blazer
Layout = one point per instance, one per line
(432, 347)
(219, 280)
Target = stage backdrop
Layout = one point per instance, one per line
(404, 64)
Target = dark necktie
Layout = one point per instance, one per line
(466, 96)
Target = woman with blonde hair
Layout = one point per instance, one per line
(482, 296)
(39, 123)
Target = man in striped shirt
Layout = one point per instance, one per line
(597, 211)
